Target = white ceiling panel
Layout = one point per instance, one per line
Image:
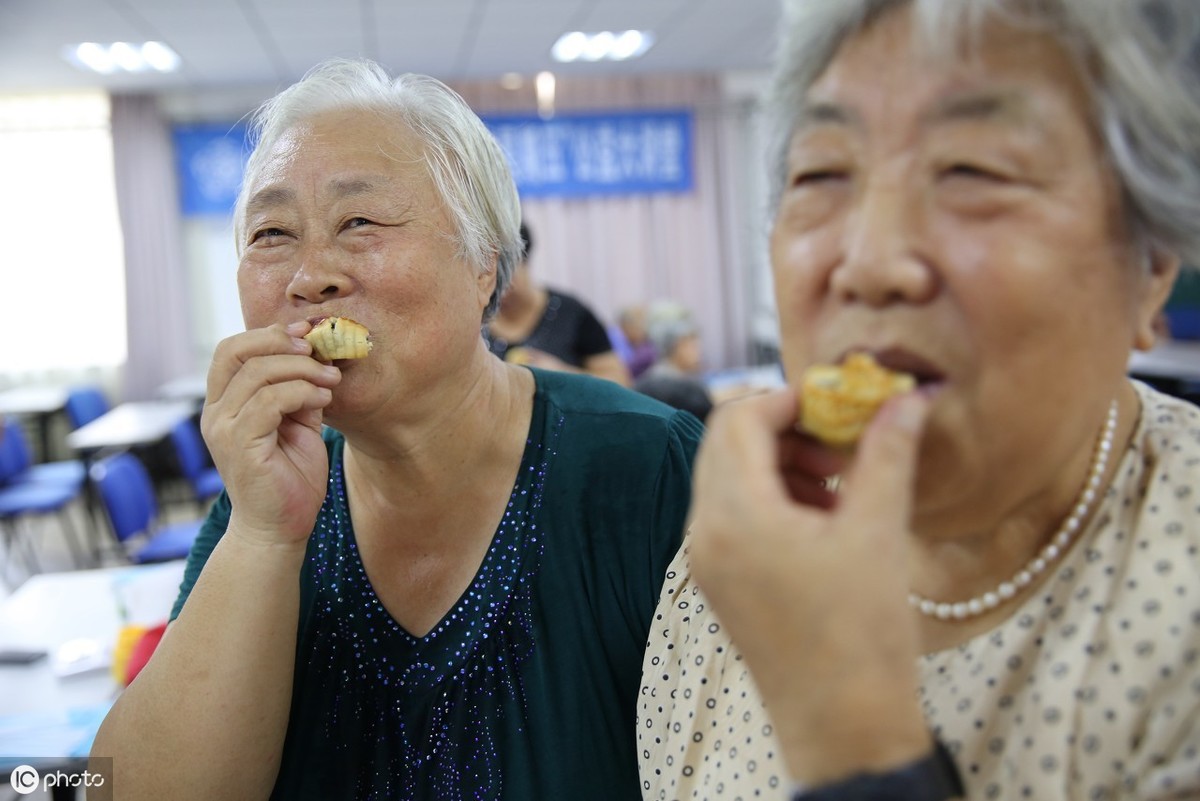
(247, 42)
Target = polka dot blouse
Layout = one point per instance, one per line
(1089, 690)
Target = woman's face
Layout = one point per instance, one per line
(344, 219)
(961, 224)
(688, 354)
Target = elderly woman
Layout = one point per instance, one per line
(433, 573)
(543, 327)
(1003, 590)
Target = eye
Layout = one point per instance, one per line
(974, 172)
(817, 177)
(267, 235)
(357, 222)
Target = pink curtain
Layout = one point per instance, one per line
(157, 308)
(618, 251)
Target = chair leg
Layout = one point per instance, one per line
(8, 534)
(73, 542)
(13, 540)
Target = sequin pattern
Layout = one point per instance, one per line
(421, 709)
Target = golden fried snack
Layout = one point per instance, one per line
(339, 338)
(836, 403)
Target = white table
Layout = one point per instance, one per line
(1179, 361)
(130, 424)
(41, 403)
(43, 713)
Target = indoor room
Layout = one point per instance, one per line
(586, 190)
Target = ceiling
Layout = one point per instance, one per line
(242, 43)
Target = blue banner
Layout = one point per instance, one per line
(209, 160)
(577, 155)
(580, 155)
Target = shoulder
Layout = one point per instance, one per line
(616, 442)
(1169, 425)
(566, 304)
(562, 300)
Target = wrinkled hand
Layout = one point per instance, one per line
(262, 423)
(812, 587)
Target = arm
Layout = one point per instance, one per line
(807, 583)
(608, 365)
(603, 365)
(596, 352)
(207, 716)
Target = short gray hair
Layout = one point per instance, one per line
(667, 323)
(1140, 60)
(466, 163)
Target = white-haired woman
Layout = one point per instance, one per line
(1002, 599)
(433, 573)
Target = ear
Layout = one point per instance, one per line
(1156, 287)
(485, 284)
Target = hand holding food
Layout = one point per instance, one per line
(837, 402)
(262, 422)
(339, 338)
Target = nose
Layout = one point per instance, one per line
(884, 257)
(319, 277)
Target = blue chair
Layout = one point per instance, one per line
(195, 462)
(85, 404)
(127, 494)
(35, 490)
(16, 462)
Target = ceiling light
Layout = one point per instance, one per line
(123, 56)
(94, 57)
(605, 45)
(631, 44)
(598, 46)
(127, 57)
(160, 57)
(569, 46)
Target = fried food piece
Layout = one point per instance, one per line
(339, 338)
(836, 403)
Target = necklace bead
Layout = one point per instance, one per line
(1007, 590)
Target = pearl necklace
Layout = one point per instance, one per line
(1036, 566)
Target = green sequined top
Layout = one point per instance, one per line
(527, 688)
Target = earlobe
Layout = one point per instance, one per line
(1156, 288)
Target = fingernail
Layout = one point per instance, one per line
(300, 345)
(297, 328)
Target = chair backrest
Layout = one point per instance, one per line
(127, 493)
(190, 449)
(85, 404)
(15, 455)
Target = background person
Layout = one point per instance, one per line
(631, 339)
(433, 572)
(1010, 561)
(676, 377)
(551, 329)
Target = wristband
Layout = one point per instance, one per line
(933, 777)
